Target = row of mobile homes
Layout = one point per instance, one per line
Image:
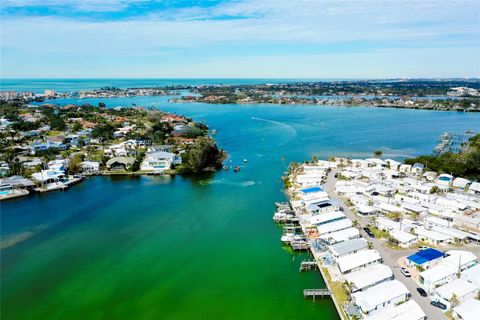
(381, 296)
(357, 261)
(368, 277)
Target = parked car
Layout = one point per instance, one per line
(405, 272)
(438, 304)
(369, 232)
(422, 292)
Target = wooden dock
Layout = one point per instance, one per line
(300, 246)
(313, 293)
(308, 265)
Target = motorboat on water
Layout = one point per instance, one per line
(236, 169)
(287, 238)
(282, 216)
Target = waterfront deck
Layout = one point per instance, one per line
(308, 265)
(313, 293)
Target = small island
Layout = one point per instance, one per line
(50, 147)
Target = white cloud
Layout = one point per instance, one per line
(404, 26)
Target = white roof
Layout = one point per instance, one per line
(459, 287)
(368, 276)
(409, 310)
(472, 275)
(438, 272)
(413, 207)
(475, 186)
(334, 226)
(365, 209)
(358, 259)
(433, 235)
(455, 233)
(325, 218)
(437, 221)
(386, 291)
(402, 236)
(342, 235)
(460, 182)
(468, 310)
(352, 245)
(388, 207)
(456, 257)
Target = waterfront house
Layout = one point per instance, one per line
(322, 206)
(357, 261)
(462, 289)
(90, 166)
(325, 218)
(381, 296)
(120, 163)
(409, 310)
(345, 248)
(160, 161)
(334, 226)
(368, 277)
(467, 310)
(48, 176)
(340, 236)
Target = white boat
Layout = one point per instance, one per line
(282, 216)
(287, 237)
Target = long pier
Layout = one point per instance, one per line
(313, 293)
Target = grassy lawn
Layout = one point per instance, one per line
(338, 292)
(54, 133)
(379, 233)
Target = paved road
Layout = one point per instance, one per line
(389, 256)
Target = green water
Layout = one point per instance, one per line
(204, 248)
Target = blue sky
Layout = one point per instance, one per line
(248, 38)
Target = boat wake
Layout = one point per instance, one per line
(290, 128)
(17, 238)
(247, 183)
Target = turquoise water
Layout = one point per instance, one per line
(182, 248)
(66, 85)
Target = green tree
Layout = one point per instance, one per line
(76, 126)
(202, 155)
(74, 165)
(103, 131)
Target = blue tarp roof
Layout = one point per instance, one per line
(425, 256)
(310, 190)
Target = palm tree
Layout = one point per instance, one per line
(454, 300)
(370, 245)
